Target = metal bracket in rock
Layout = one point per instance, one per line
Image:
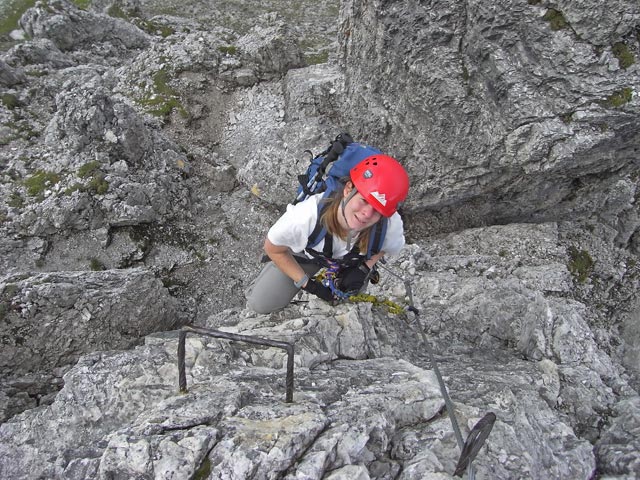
(288, 347)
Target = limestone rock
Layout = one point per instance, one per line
(69, 27)
(50, 319)
(40, 51)
(271, 46)
(87, 115)
(347, 414)
(513, 118)
(618, 445)
(10, 76)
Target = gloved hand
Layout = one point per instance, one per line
(319, 290)
(351, 280)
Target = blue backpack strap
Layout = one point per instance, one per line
(319, 231)
(318, 234)
(376, 239)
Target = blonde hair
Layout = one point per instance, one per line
(329, 219)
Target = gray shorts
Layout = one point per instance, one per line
(272, 290)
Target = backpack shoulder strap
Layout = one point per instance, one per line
(321, 258)
(317, 235)
(319, 231)
(376, 239)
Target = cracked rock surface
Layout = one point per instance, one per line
(146, 146)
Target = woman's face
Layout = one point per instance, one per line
(358, 214)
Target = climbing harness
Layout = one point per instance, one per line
(330, 275)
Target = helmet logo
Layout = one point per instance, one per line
(380, 197)
(367, 173)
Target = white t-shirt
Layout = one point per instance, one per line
(294, 227)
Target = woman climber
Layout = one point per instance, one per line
(354, 218)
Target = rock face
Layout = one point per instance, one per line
(376, 418)
(49, 320)
(519, 109)
(9, 76)
(366, 401)
(70, 28)
(144, 151)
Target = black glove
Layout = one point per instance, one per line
(351, 280)
(319, 290)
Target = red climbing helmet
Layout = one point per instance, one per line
(382, 181)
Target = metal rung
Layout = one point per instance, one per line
(288, 347)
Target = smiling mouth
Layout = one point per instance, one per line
(358, 221)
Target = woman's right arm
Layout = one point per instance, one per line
(283, 259)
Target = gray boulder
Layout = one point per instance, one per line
(40, 51)
(272, 47)
(49, 320)
(88, 117)
(10, 76)
(618, 445)
(70, 28)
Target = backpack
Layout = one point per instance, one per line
(324, 175)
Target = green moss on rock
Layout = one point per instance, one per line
(164, 99)
(40, 181)
(15, 200)
(98, 184)
(204, 470)
(10, 13)
(81, 4)
(317, 58)
(117, 12)
(88, 169)
(10, 101)
(228, 49)
(556, 19)
(619, 98)
(580, 264)
(96, 265)
(623, 54)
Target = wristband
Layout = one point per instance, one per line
(300, 283)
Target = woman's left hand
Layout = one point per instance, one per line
(351, 280)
